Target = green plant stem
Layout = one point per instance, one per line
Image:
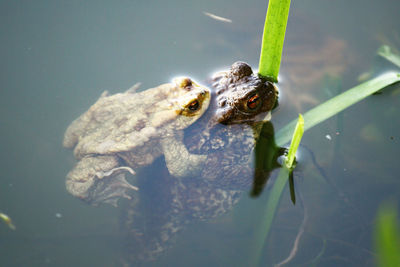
(273, 37)
(387, 236)
(279, 185)
(267, 217)
(297, 135)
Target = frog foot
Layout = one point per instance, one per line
(110, 186)
(101, 183)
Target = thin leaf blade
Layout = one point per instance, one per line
(273, 37)
(337, 104)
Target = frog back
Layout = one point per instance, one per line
(118, 123)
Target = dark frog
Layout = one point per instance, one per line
(226, 133)
(241, 96)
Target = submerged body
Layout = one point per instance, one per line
(227, 133)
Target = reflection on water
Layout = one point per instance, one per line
(57, 59)
(266, 155)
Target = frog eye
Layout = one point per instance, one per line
(186, 82)
(194, 105)
(253, 102)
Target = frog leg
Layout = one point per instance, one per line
(150, 225)
(99, 179)
(180, 162)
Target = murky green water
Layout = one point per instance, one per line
(57, 57)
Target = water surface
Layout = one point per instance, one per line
(57, 58)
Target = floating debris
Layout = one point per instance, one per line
(328, 136)
(217, 17)
(7, 220)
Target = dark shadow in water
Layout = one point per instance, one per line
(291, 187)
(267, 153)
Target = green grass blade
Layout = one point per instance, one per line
(385, 52)
(273, 37)
(297, 135)
(337, 104)
(387, 237)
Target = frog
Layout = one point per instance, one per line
(240, 96)
(123, 132)
(241, 104)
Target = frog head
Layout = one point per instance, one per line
(241, 96)
(191, 102)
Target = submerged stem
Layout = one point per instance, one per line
(311, 118)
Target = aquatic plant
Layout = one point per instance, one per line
(334, 105)
(297, 135)
(270, 58)
(273, 37)
(386, 52)
(275, 195)
(387, 236)
(312, 118)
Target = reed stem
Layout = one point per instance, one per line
(273, 37)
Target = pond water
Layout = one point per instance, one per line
(57, 58)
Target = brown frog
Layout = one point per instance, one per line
(126, 131)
